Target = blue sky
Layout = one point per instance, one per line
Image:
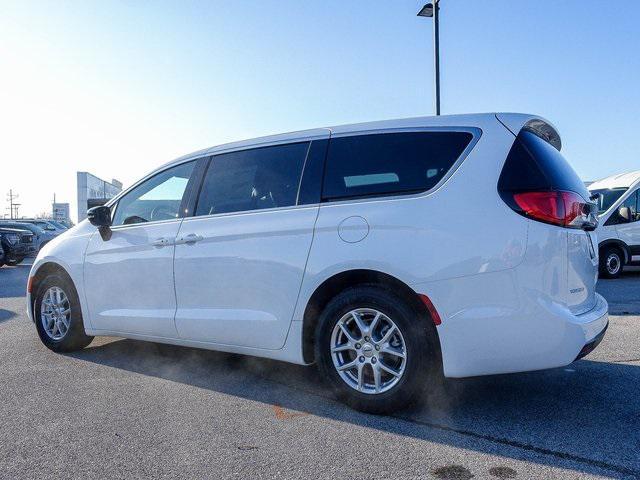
(117, 88)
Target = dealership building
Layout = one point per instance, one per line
(93, 191)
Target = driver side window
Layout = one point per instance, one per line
(156, 199)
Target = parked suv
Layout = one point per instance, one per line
(16, 244)
(619, 232)
(50, 230)
(388, 253)
(39, 239)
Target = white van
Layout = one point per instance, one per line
(388, 253)
(619, 230)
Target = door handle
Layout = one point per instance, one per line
(161, 242)
(189, 239)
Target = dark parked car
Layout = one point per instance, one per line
(40, 237)
(1, 254)
(16, 243)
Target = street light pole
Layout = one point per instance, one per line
(436, 53)
(432, 9)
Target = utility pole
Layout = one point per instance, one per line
(13, 206)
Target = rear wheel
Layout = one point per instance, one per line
(58, 316)
(375, 350)
(611, 262)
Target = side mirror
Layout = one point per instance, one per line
(624, 213)
(101, 217)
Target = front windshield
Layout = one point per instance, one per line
(607, 197)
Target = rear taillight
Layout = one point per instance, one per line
(566, 209)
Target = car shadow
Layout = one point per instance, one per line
(6, 315)
(574, 415)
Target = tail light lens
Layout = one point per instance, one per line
(566, 209)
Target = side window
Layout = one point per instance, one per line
(390, 163)
(632, 203)
(158, 198)
(267, 177)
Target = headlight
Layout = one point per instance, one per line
(12, 238)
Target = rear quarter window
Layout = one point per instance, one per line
(390, 163)
(535, 165)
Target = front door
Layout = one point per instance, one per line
(240, 260)
(129, 277)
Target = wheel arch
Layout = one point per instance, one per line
(42, 272)
(335, 284)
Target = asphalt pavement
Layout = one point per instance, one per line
(130, 409)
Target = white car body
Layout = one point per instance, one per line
(512, 294)
(625, 235)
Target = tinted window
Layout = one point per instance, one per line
(533, 164)
(311, 184)
(607, 197)
(632, 203)
(157, 198)
(254, 179)
(390, 163)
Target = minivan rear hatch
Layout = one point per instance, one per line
(538, 183)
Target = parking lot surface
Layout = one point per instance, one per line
(129, 409)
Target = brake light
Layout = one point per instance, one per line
(566, 209)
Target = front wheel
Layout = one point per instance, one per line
(58, 316)
(611, 262)
(376, 351)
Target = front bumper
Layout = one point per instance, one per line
(16, 251)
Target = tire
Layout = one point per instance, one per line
(15, 261)
(74, 337)
(420, 368)
(611, 262)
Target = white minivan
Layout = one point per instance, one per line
(388, 253)
(619, 230)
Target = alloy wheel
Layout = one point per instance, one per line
(368, 351)
(55, 313)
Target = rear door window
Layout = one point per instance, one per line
(254, 179)
(390, 163)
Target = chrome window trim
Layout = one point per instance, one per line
(476, 132)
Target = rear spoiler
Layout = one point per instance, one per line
(514, 122)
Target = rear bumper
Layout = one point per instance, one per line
(539, 337)
(592, 345)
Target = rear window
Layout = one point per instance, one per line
(534, 165)
(390, 163)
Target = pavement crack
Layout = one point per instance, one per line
(627, 361)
